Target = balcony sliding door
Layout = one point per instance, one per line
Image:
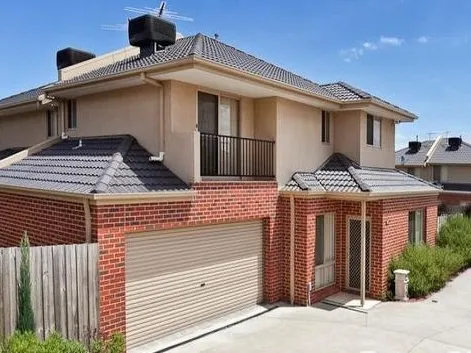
(218, 122)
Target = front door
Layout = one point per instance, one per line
(354, 254)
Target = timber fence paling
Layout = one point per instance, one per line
(64, 290)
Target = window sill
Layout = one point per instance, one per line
(374, 147)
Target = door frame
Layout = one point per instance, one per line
(347, 252)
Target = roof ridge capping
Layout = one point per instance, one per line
(103, 182)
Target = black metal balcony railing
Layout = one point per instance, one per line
(236, 156)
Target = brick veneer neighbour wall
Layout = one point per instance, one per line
(216, 202)
(47, 221)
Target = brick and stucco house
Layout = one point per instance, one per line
(211, 179)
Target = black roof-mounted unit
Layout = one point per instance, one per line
(455, 142)
(151, 33)
(414, 146)
(70, 56)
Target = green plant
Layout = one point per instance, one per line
(22, 342)
(455, 234)
(25, 314)
(115, 344)
(56, 344)
(430, 268)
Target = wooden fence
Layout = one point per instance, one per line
(64, 282)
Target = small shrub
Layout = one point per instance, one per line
(25, 322)
(26, 342)
(430, 268)
(115, 344)
(455, 234)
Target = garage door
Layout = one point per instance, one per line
(177, 278)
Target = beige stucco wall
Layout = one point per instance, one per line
(23, 130)
(133, 111)
(265, 111)
(458, 174)
(347, 134)
(383, 156)
(298, 140)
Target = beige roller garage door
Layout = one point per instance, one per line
(177, 278)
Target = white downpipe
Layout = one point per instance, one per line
(363, 254)
(291, 248)
(157, 84)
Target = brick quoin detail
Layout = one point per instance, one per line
(216, 202)
(47, 221)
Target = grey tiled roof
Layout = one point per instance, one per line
(114, 164)
(442, 154)
(210, 49)
(23, 97)
(445, 154)
(10, 152)
(340, 174)
(409, 158)
(347, 93)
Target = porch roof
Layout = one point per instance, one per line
(340, 174)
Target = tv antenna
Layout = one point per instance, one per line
(161, 11)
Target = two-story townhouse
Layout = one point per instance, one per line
(212, 180)
(445, 162)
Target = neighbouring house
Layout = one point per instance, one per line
(211, 179)
(445, 162)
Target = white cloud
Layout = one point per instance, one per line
(351, 54)
(422, 40)
(370, 46)
(395, 41)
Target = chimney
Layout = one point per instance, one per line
(414, 146)
(151, 34)
(70, 56)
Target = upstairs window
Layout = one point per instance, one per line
(71, 114)
(416, 227)
(51, 123)
(373, 131)
(325, 126)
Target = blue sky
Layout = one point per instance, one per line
(414, 53)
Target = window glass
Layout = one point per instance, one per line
(416, 227)
(320, 234)
(369, 129)
(71, 114)
(50, 123)
(325, 126)
(437, 171)
(377, 132)
(228, 116)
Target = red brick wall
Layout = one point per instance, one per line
(455, 198)
(389, 237)
(47, 221)
(216, 202)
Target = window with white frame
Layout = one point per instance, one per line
(325, 127)
(373, 131)
(324, 251)
(416, 227)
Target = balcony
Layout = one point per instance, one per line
(230, 156)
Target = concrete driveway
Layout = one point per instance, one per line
(441, 323)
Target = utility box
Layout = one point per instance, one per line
(401, 280)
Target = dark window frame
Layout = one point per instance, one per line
(325, 127)
(71, 114)
(50, 123)
(370, 129)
